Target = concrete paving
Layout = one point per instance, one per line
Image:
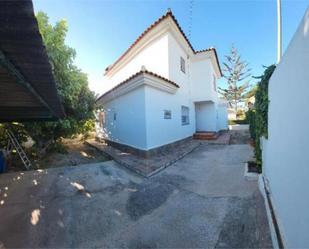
(201, 201)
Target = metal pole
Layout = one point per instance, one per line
(279, 32)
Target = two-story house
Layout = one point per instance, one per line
(162, 90)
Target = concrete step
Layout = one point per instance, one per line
(205, 135)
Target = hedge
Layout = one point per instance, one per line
(258, 117)
(239, 121)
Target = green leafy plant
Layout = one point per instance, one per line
(72, 85)
(250, 118)
(238, 121)
(258, 117)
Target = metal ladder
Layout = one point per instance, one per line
(13, 143)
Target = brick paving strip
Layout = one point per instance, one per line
(146, 166)
(149, 166)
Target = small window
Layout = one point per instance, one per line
(185, 115)
(214, 83)
(115, 116)
(182, 65)
(167, 114)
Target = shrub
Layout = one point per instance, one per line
(258, 117)
(250, 118)
(238, 121)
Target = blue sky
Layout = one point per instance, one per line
(101, 30)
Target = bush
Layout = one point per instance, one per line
(258, 117)
(250, 118)
(238, 121)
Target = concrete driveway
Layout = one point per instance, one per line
(200, 201)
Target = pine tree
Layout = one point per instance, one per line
(236, 72)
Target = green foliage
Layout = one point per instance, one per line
(16, 128)
(238, 121)
(72, 85)
(251, 92)
(250, 118)
(236, 73)
(258, 118)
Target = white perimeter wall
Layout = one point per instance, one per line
(129, 127)
(286, 152)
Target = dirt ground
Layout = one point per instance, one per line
(77, 152)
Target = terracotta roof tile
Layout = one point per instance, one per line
(166, 15)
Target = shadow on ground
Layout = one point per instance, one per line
(200, 201)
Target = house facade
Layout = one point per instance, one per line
(162, 90)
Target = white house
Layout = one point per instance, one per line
(286, 151)
(162, 90)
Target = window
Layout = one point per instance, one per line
(182, 65)
(115, 116)
(214, 83)
(167, 114)
(184, 115)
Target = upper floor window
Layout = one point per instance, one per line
(185, 115)
(182, 65)
(214, 81)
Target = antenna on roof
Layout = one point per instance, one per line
(190, 18)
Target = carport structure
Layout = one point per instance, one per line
(27, 86)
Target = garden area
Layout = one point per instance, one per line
(56, 143)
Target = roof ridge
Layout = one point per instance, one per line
(168, 13)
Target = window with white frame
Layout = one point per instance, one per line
(185, 115)
(182, 65)
(167, 114)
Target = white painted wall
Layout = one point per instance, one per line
(154, 57)
(162, 131)
(222, 120)
(129, 127)
(286, 152)
(203, 76)
(206, 116)
(162, 56)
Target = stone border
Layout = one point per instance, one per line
(132, 162)
(173, 161)
(144, 153)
